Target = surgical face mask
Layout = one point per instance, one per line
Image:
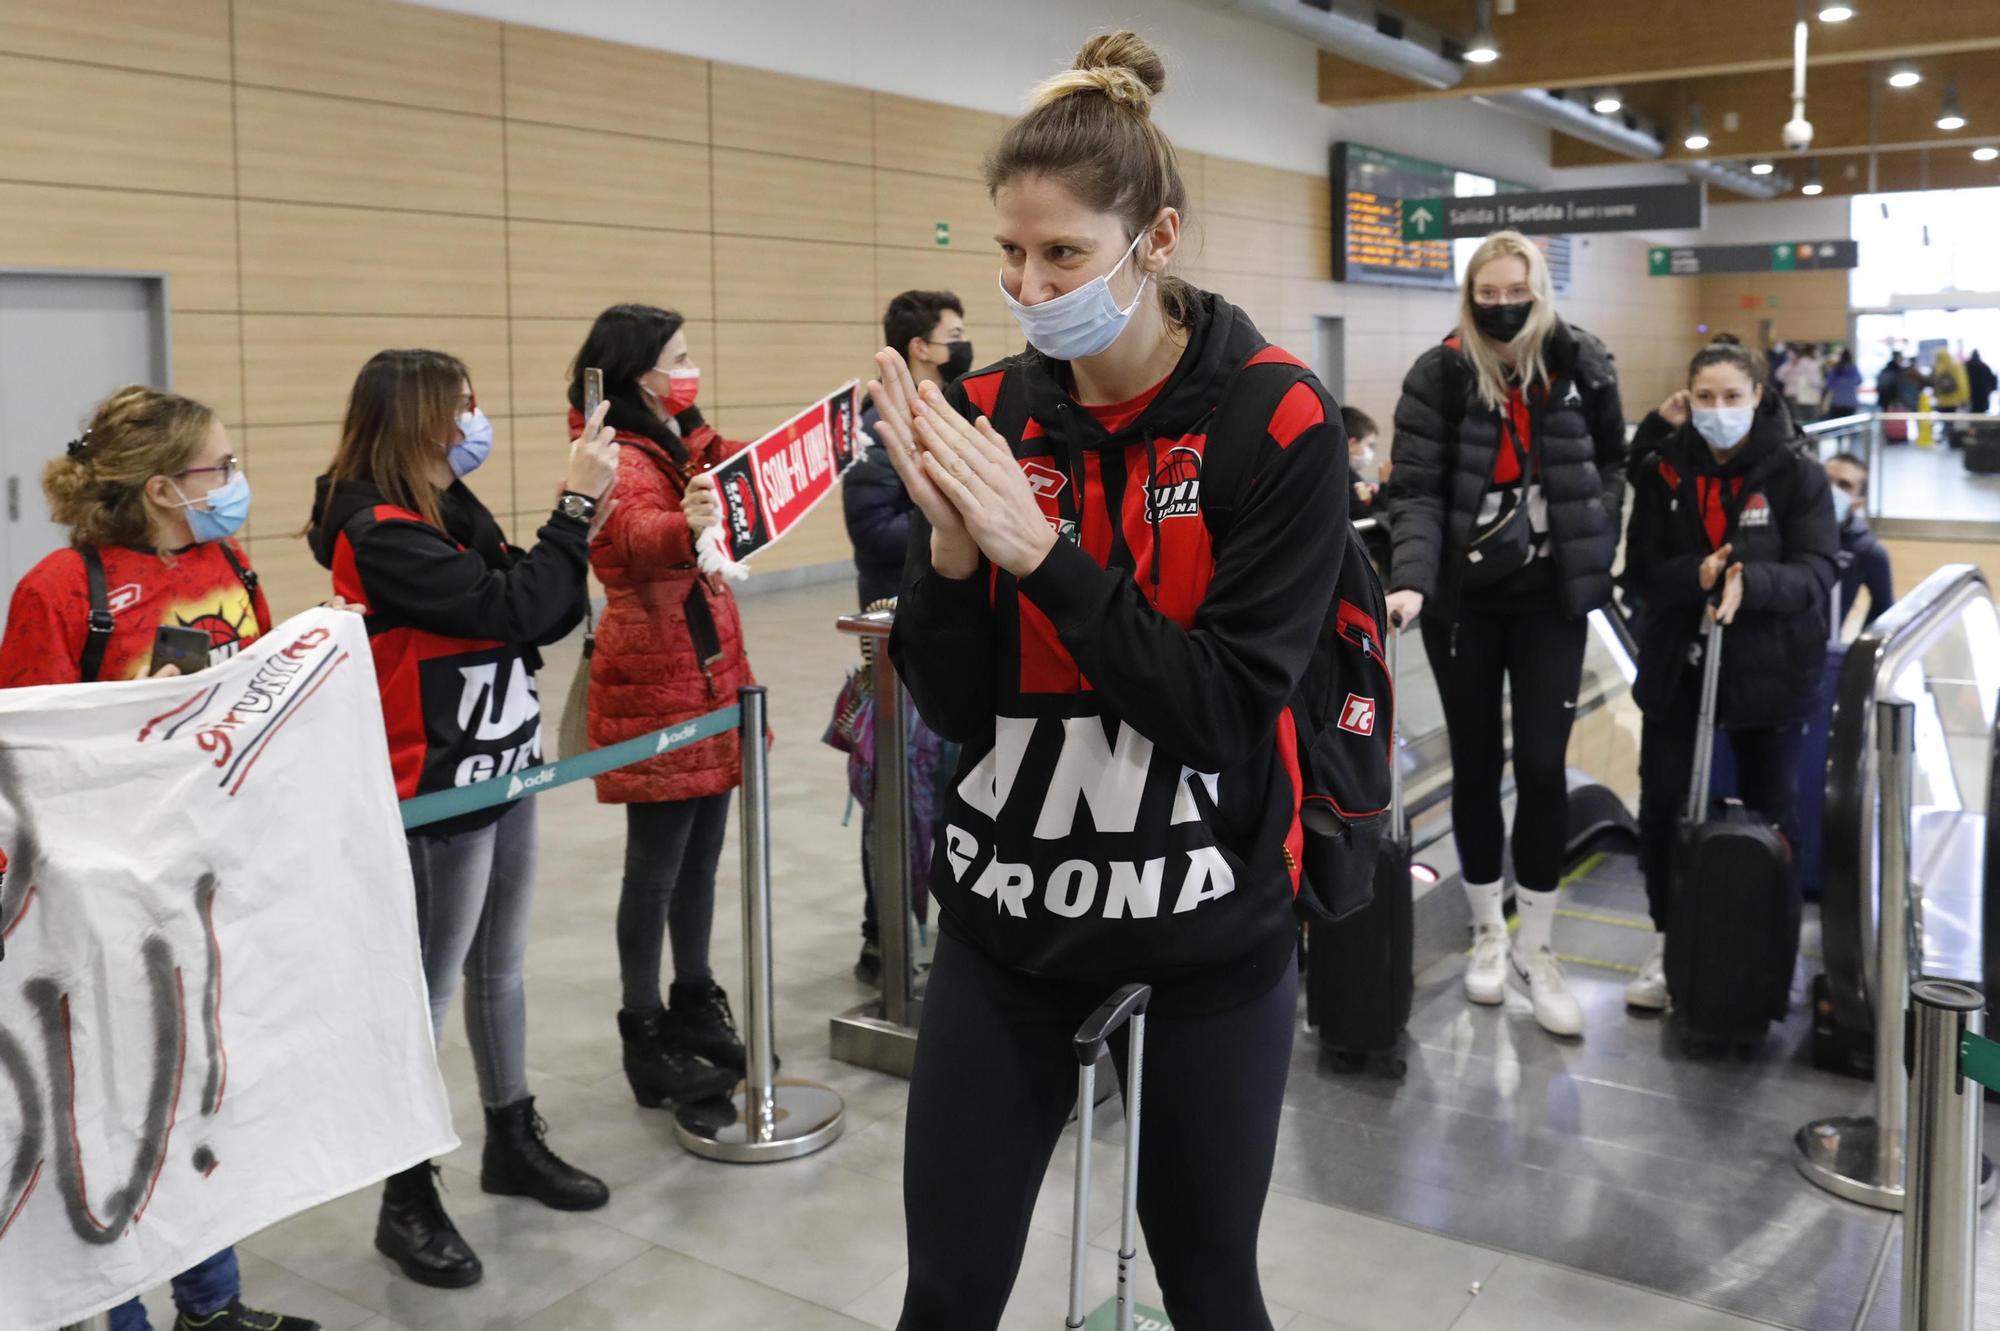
(228, 509)
(476, 443)
(1361, 463)
(1843, 505)
(683, 387)
(1078, 323)
(1502, 323)
(1723, 427)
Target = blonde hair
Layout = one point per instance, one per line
(98, 487)
(1090, 129)
(1530, 346)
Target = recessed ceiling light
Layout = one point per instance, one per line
(1697, 137)
(1812, 185)
(1761, 168)
(1608, 103)
(1482, 49)
(1951, 115)
(1985, 154)
(1835, 13)
(1904, 76)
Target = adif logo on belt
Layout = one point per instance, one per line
(1756, 512)
(1175, 491)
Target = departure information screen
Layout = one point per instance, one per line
(1369, 186)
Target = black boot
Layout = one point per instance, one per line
(519, 1163)
(699, 1021)
(416, 1234)
(868, 969)
(660, 1073)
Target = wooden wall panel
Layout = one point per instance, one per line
(292, 579)
(192, 239)
(794, 281)
(1232, 244)
(372, 49)
(778, 113)
(760, 194)
(305, 148)
(913, 135)
(781, 367)
(558, 269)
(299, 368)
(307, 258)
(115, 128)
(561, 79)
(125, 33)
(542, 350)
(974, 277)
(908, 207)
(572, 175)
(1242, 189)
(208, 362)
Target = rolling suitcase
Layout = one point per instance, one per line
(1360, 977)
(1982, 447)
(1733, 926)
(1127, 1005)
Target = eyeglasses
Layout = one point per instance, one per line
(1516, 295)
(228, 467)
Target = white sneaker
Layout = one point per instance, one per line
(1486, 972)
(1648, 993)
(1556, 1009)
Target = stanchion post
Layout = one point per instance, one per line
(1941, 1215)
(766, 1119)
(892, 836)
(101, 1322)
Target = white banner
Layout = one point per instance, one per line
(212, 1010)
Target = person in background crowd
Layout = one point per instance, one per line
(1914, 381)
(1725, 338)
(1948, 381)
(1979, 384)
(1863, 561)
(1729, 509)
(1362, 434)
(669, 648)
(1043, 653)
(1504, 513)
(1843, 385)
(1804, 381)
(455, 620)
(1889, 385)
(152, 493)
(928, 329)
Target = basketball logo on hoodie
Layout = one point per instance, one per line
(1756, 512)
(1175, 491)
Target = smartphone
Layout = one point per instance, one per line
(186, 648)
(593, 392)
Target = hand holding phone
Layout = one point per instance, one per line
(593, 392)
(184, 649)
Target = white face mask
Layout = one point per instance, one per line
(1078, 323)
(1723, 427)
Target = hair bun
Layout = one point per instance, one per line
(1120, 65)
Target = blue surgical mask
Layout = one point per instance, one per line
(1843, 505)
(476, 443)
(1723, 427)
(1078, 323)
(228, 509)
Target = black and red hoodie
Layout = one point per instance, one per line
(455, 616)
(1123, 804)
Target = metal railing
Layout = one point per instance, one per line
(1889, 501)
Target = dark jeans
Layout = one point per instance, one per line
(994, 1081)
(1767, 774)
(1538, 655)
(200, 1291)
(671, 853)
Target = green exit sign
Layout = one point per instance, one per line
(943, 233)
(1423, 219)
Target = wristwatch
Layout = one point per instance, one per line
(579, 506)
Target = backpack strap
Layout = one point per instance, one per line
(98, 636)
(1243, 415)
(244, 573)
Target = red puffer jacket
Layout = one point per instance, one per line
(646, 672)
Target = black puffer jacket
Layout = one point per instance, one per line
(878, 509)
(1445, 447)
(1778, 519)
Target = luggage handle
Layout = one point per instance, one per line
(1704, 731)
(1392, 653)
(1127, 1006)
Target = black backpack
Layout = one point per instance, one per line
(98, 636)
(1338, 730)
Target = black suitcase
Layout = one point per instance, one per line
(1733, 926)
(1982, 446)
(1360, 977)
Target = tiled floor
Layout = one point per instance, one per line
(818, 1243)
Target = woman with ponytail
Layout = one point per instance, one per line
(1126, 544)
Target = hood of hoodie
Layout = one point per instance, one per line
(465, 518)
(1772, 434)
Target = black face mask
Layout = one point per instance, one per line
(956, 362)
(1502, 323)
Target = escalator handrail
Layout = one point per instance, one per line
(1848, 870)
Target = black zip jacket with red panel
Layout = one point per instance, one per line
(455, 616)
(1124, 808)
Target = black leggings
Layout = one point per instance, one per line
(1539, 655)
(994, 1082)
(671, 853)
(1767, 780)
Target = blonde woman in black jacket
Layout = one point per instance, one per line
(1503, 501)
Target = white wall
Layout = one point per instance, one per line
(1236, 86)
(1823, 218)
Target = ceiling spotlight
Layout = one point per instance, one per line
(1905, 76)
(1608, 103)
(1812, 185)
(1951, 115)
(1697, 137)
(1985, 154)
(1835, 13)
(1761, 168)
(1482, 49)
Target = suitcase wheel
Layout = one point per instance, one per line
(1354, 1062)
